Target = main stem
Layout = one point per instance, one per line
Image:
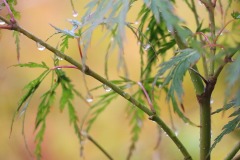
(88, 71)
(205, 130)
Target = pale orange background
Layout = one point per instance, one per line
(112, 129)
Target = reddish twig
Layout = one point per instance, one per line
(10, 12)
(79, 47)
(147, 97)
(220, 32)
(60, 67)
(206, 38)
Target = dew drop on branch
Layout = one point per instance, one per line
(2, 22)
(59, 58)
(75, 14)
(176, 132)
(40, 47)
(136, 22)
(107, 88)
(212, 101)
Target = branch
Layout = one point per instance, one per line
(233, 152)
(85, 134)
(115, 88)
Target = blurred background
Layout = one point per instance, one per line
(112, 129)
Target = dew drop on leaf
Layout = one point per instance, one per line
(106, 88)
(75, 14)
(2, 22)
(40, 47)
(89, 98)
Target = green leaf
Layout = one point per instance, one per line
(31, 88)
(33, 65)
(43, 110)
(236, 15)
(99, 107)
(178, 66)
(39, 140)
(230, 126)
(17, 42)
(64, 43)
(225, 107)
(136, 117)
(179, 112)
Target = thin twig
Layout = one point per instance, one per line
(10, 12)
(220, 32)
(147, 97)
(60, 67)
(97, 145)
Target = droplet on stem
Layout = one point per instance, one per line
(40, 47)
(106, 88)
(2, 22)
(75, 14)
(89, 98)
(176, 132)
(136, 22)
(211, 101)
(59, 58)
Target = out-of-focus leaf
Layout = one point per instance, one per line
(236, 15)
(99, 107)
(231, 125)
(225, 107)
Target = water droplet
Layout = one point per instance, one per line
(187, 124)
(200, 3)
(59, 68)
(106, 88)
(84, 133)
(147, 29)
(211, 102)
(169, 31)
(146, 47)
(2, 22)
(89, 98)
(59, 58)
(139, 123)
(139, 43)
(112, 39)
(160, 86)
(136, 22)
(176, 133)
(75, 14)
(40, 47)
(221, 33)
